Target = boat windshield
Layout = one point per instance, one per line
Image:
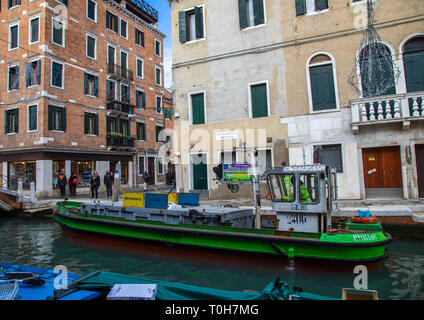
(282, 187)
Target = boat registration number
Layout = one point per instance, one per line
(364, 237)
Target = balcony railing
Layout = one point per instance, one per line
(403, 108)
(120, 107)
(116, 141)
(119, 72)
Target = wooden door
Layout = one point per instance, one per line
(200, 176)
(419, 154)
(151, 170)
(382, 167)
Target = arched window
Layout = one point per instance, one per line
(322, 84)
(413, 61)
(376, 67)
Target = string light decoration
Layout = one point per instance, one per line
(374, 73)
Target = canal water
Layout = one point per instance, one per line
(42, 243)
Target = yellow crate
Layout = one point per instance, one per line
(135, 200)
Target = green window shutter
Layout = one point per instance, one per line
(96, 124)
(414, 71)
(63, 119)
(50, 117)
(321, 4)
(198, 11)
(6, 120)
(242, 14)
(300, 7)
(258, 8)
(183, 26)
(198, 109)
(322, 87)
(259, 100)
(16, 112)
(85, 123)
(85, 83)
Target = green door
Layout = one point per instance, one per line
(198, 108)
(259, 100)
(200, 176)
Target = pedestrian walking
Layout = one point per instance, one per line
(95, 184)
(146, 177)
(73, 181)
(62, 182)
(108, 181)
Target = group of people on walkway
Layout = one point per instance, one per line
(72, 182)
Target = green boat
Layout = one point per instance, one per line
(299, 225)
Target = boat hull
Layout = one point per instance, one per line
(341, 247)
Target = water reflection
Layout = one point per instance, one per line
(44, 244)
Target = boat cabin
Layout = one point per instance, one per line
(303, 197)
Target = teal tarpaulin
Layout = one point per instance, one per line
(276, 290)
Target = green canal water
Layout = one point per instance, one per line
(42, 243)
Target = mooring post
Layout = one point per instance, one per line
(32, 192)
(20, 190)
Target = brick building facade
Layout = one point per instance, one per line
(83, 89)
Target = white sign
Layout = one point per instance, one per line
(227, 135)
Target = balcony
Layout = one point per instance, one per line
(119, 109)
(118, 142)
(144, 10)
(399, 108)
(119, 73)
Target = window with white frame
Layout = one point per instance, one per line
(34, 30)
(191, 26)
(32, 118)
(91, 45)
(322, 83)
(58, 32)
(251, 13)
(310, 6)
(92, 10)
(13, 37)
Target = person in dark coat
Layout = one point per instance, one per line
(108, 181)
(73, 181)
(95, 184)
(62, 182)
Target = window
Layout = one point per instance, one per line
(157, 48)
(309, 188)
(228, 157)
(140, 69)
(265, 160)
(125, 127)
(56, 118)
(158, 133)
(124, 60)
(141, 131)
(322, 84)
(91, 45)
(13, 37)
(259, 100)
(139, 37)
(111, 21)
(161, 162)
(158, 79)
(13, 78)
(33, 118)
(11, 121)
(413, 61)
(158, 105)
(191, 24)
(34, 30)
(141, 99)
(13, 3)
(91, 123)
(111, 55)
(91, 85)
(310, 6)
(110, 90)
(58, 32)
(330, 155)
(282, 187)
(124, 29)
(111, 125)
(33, 73)
(141, 164)
(125, 93)
(197, 108)
(251, 13)
(57, 75)
(92, 10)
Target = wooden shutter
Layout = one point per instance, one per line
(96, 124)
(86, 131)
(96, 86)
(300, 7)
(85, 83)
(259, 101)
(198, 11)
(198, 109)
(242, 13)
(16, 120)
(414, 71)
(322, 87)
(183, 26)
(321, 4)
(258, 9)
(6, 120)
(317, 154)
(63, 119)
(39, 72)
(28, 74)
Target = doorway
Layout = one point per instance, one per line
(382, 172)
(419, 155)
(199, 169)
(151, 170)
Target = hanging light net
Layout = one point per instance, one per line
(374, 73)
